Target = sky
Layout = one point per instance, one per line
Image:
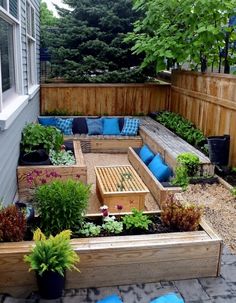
(51, 6)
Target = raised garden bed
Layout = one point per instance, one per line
(158, 190)
(117, 260)
(78, 171)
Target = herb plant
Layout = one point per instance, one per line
(61, 205)
(179, 216)
(112, 226)
(35, 136)
(12, 224)
(90, 229)
(190, 161)
(182, 127)
(137, 220)
(52, 254)
(61, 157)
(233, 191)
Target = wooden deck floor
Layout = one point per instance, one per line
(162, 140)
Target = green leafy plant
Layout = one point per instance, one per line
(190, 161)
(181, 177)
(233, 169)
(136, 220)
(61, 157)
(182, 127)
(233, 191)
(111, 225)
(90, 229)
(179, 216)
(12, 224)
(36, 136)
(61, 205)
(52, 254)
(187, 166)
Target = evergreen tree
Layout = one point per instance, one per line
(88, 45)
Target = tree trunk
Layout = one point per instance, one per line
(226, 53)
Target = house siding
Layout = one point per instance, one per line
(10, 138)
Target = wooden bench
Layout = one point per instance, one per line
(120, 185)
(106, 144)
(159, 192)
(78, 171)
(163, 141)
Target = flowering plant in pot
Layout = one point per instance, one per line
(50, 258)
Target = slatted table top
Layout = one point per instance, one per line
(119, 179)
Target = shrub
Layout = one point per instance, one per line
(52, 254)
(36, 136)
(137, 220)
(190, 161)
(12, 224)
(61, 205)
(181, 217)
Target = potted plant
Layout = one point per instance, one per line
(50, 258)
(36, 143)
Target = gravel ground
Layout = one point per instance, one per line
(219, 209)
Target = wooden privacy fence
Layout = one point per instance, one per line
(100, 99)
(209, 101)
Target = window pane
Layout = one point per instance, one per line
(28, 16)
(6, 47)
(32, 22)
(13, 8)
(3, 3)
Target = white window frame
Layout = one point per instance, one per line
(13, 100)
(31, 48)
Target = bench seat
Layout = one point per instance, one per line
(160, 191)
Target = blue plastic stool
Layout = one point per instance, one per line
(110, 299)
(168, 298)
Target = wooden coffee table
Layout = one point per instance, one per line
(120, 185)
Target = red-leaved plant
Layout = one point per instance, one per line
(12, 224)
(181, 216)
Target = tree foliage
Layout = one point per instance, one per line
(180, 31)
(88, 44)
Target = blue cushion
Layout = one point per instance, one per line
(130, 127)
(111, 126)
(95, 126)
(79, 126)
(168, 298)
(65, 125)
(110, 299)
(146, 154)
(47, 121)
(160, 170)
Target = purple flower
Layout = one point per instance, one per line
(119, 207)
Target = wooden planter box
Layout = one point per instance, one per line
(121, 260)
(108, 179)
(159, 192)
(78, 171)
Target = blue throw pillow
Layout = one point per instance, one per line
(130, 127)
(110, 299)
(47, 121)
(160, 170)
(146, 154)
(95, 126)
(65, 125)
(111, 126)
(168, 298)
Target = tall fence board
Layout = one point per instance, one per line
(100, 99)
(209, 101)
